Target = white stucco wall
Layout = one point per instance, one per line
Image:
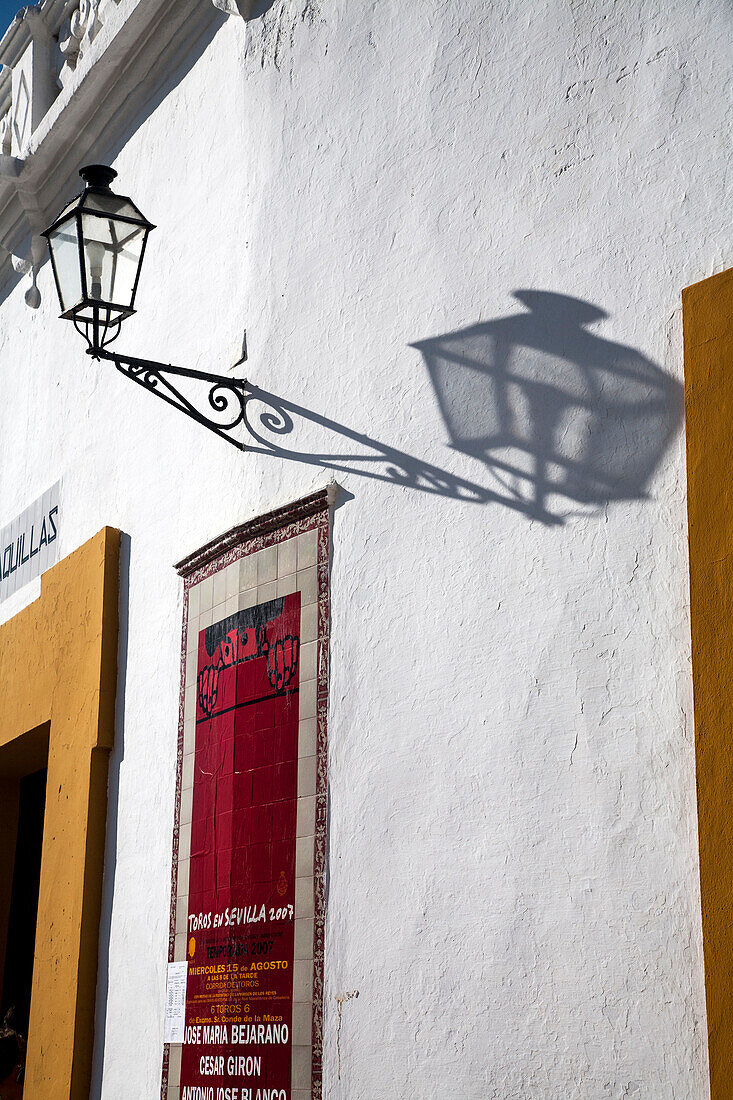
(513, 861)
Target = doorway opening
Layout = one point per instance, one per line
(21, 889)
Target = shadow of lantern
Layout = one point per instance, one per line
(556, 413)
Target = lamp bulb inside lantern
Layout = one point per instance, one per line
(95, 251)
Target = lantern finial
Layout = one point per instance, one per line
(98, 175)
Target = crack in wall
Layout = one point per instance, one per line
(340, 1002)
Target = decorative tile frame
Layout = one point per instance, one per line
(286, 551)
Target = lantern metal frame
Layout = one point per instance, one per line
(104, 315)
(223, 410)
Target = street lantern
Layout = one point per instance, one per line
(97, 245)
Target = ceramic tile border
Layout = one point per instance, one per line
(219, 579)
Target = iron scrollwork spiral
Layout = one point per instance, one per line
(226, 396)
(221, 410)
(144, 375)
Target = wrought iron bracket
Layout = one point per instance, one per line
(225, 411)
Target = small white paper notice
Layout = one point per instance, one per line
(175, 1003)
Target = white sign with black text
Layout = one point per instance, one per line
(30, 544)
(175, 1005)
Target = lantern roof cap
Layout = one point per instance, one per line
(98, 175)
(98, 199)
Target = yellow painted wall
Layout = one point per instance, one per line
(708, 341)
(58, 673)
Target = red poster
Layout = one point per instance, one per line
(242, 871)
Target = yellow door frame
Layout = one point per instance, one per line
(58, 677)
(707, 313)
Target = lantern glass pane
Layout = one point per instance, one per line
(68, 209)
(107, 203)
(64, 245)
(112, 255)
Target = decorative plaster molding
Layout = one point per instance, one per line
(78, 31)
(76, 74)
(242, 8)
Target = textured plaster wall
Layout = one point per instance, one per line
(513, 877)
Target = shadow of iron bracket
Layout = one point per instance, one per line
(222, 405)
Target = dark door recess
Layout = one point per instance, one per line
(19, 951)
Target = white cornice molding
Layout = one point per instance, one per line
(75, 74)
(235, 7)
